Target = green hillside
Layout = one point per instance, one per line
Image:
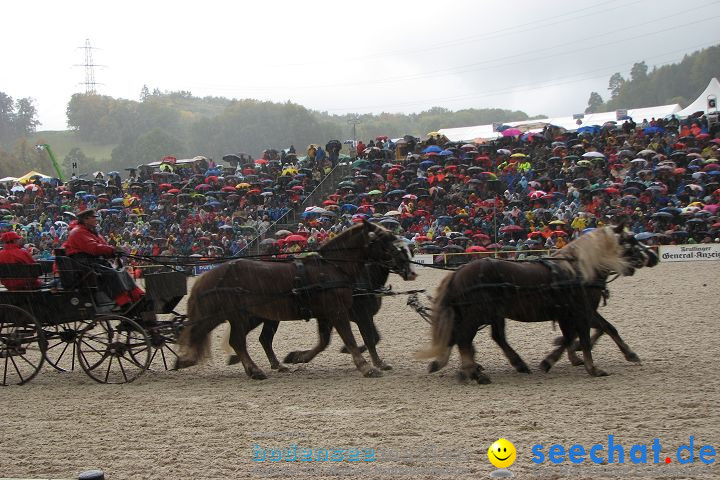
(62, 142)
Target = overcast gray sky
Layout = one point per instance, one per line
(340, 56)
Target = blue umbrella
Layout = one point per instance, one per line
(650, 130)
(432, 149)
(349, 208)
(593, 129)
(426, 163)
(644, 236)
(446, 153)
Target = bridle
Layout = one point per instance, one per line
(396, 258)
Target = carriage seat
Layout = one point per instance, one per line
(25, 271)
(74, 274)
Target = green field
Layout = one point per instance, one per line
(62, 142)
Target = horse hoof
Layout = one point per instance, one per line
(523, 369)
(384, 366)
(576, 362)
(545, 366)
(295, 357)
(461, 377)
(258, 376)
(479, 367)
(434, 366)
(373, 373)
(182, 364)
(361, 348)
(596, 372)
(482, 379)
(632, 357)
(282, 369)
(233, 360)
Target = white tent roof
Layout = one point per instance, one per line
(700, 103)
(485, 132)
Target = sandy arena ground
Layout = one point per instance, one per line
(202, 422)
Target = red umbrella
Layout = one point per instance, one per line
(211, 178)
(174, 191)
(203, 187)
(329, 202)
(228, 188)
(295, 238)
(537, 194)
(612, 191)
(476, 248)
(710, 167)
(534, 234)
(511, 228)
(165, 186)
(261, 161)
(556, 233)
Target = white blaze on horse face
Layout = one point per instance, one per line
(400, 245)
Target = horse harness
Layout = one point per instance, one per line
(302, 288)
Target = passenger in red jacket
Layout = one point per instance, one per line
(13, 253)
(85, 245)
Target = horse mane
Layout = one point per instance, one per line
(592, 253)
(340, 241)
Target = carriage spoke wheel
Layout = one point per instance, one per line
(62, 342)
(22, 346)
(163, 338)
(114, 349)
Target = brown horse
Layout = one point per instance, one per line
(566, 287)
(320, 286)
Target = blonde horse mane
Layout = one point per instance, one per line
(594, 252)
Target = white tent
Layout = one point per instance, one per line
(485, 132)
(700, 103)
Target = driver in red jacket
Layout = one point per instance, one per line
(12, 252)
(87, 246)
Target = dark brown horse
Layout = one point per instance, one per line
(567, 287)
(367, 301)
(246, 292)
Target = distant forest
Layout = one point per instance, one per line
(160, 123)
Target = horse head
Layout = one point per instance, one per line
(390, 251)
(636, 253)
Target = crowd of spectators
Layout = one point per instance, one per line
(523, 191)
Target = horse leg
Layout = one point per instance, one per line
(252, 323)
(304, 356)
(370, 336)
(469, 368)
(606, 327)
(238, 342)
(498, 334)
(266, 339)
(342, 325)
(583, 330)
(565, 342)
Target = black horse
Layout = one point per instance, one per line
(566, 287)
(319, 286)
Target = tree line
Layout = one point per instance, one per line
(675, 83)
(177, 123)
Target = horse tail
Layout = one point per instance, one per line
(443, 320)
(194, 341)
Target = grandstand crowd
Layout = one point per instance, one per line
(522, 191)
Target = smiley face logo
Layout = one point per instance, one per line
(502, 453)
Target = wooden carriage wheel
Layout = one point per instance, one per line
(22, 346)
(114, 349)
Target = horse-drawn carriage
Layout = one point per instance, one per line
(64, 323)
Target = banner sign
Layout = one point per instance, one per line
(199, 269)
(424, 259)
(687, 253)
(621, 115)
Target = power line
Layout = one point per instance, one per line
(89, 65)
(607, 70)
